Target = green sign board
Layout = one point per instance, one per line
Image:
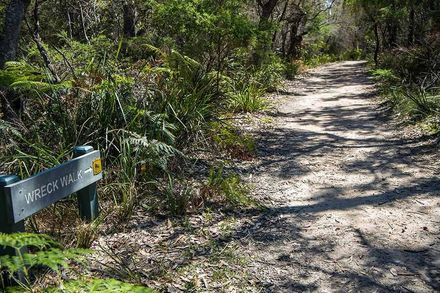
(21, 199)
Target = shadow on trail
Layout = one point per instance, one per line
(280, 151)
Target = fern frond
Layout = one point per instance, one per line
(39, 86)
(101, 285)
(20, 240)
(24, 77)
(6, 129)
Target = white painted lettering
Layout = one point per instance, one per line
(55, 185)
(37, 193)
(49, 187)
(29, 197)
(71, 178)
(43, 190)
(64, 180)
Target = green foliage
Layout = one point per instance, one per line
(48, 253)
(20, 240)
(320, 59)
(190, 101)
(100, 285)
(417, 105)
(270, 74)
(7, 130)
(248, 99)
(293, 68)
(178, 196)
(409, 79)
(199, 27)
(383, 75)
(229, 139)
(353, 54)
(23, 77)
(228, 187)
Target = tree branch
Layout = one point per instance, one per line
(37, 39)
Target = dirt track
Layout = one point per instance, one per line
(355, 202)
(353, 206)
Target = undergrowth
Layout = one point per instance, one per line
(31, 252)
(230, 139)
(229, 187)
(146, 103)
(409, 80)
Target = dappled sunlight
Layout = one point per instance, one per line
(353, 201)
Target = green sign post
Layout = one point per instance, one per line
(20, 199)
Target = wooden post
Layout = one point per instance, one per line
(7, 226)
(88, 196)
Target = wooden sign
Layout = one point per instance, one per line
(21, 199)
(29, 196)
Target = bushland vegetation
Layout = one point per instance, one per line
(154, 85)
(403, 39)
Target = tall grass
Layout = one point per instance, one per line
(415, 103)
(141, 116)
(248, 99)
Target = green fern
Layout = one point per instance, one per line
(7, 129)
(20, 240)
(100, 285)
(49, 253)
(24, 77)
(156, 152)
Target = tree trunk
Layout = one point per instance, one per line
(9, 38)
(264, 44)
(266, 11)
(296, 36)
(295, 46)
(11, 33)
(129, 19)
(393, 35)
(411, 26)
(283, 42)
(376, 51)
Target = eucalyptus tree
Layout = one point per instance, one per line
(296, 19)
(13, 17)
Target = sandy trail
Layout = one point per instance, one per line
(355, 202)
(353, 206)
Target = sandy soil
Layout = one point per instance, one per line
(352, 206)
(355, 203)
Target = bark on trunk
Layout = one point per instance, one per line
(129, 20)
(11, 33)
(266, 11)
(9, 38)
(376, 51)
(411, 27)
(296, 37)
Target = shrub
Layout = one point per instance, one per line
(353, 54)
(383, 75)
(228, 187)
(320, 59)
(229, 139)
(42, 251)
(270, 74)
(248, 99)
(293, 68)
